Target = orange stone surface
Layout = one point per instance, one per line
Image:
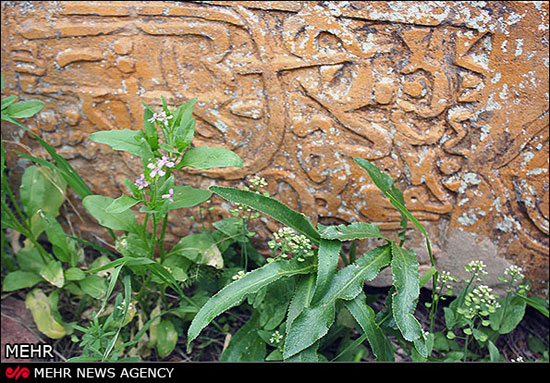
(449, 98)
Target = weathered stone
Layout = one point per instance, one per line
(450, 98)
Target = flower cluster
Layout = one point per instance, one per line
(287, 241)
(476, 268)
(514, 272)
(169, 196)
(157, 169)
(276, 337)
(444, 281)
(161, 117)
(480, 302)
(255, 184)
(158, 166)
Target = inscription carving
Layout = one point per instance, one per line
(450, 99)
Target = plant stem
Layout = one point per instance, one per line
(466, 347)
(27, 233)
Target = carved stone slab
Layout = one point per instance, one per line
(450, 98)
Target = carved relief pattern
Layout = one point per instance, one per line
(448, 107)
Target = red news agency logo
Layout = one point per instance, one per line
(18, 372)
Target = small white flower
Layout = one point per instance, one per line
(239, 275)
(276, 337)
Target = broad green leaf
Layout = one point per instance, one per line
(306, 356)
(61, 166)
(232, 228)
(507, 317)
(245, 345)
(121, 204)
(187, 196)
(273, 208)
(167, 338)
(194, 247)
(24, 109)
(8, 101)
(273, 308)
(315, 321)
(405, 279)
(38, 192)
(42, 313)
(126, 139)
(53, 273)
(356, 230)
(206, 157)
(494, 354)
(74, 274)
(366, 318)
(29, 259)
(327, 262)
(94, 286)
(97, 205)
(65, 248)
(20, 280)
(234, 293)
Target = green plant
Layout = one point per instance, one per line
(42, 192)
(479, 315)
(164, 145)
(298, 298)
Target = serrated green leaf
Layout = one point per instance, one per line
(97, 205)
(303, 294)
(206, 157)
(20, 280)
(126, 139)
(366, 318)
(273, 208)
(315, 321)
(386, 184)
(245, 345)
(306, 356)
(327, 262)
(405, 279)
(234, 293)
(356, 230)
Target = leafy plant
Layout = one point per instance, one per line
(164, 145)
(307, 314)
